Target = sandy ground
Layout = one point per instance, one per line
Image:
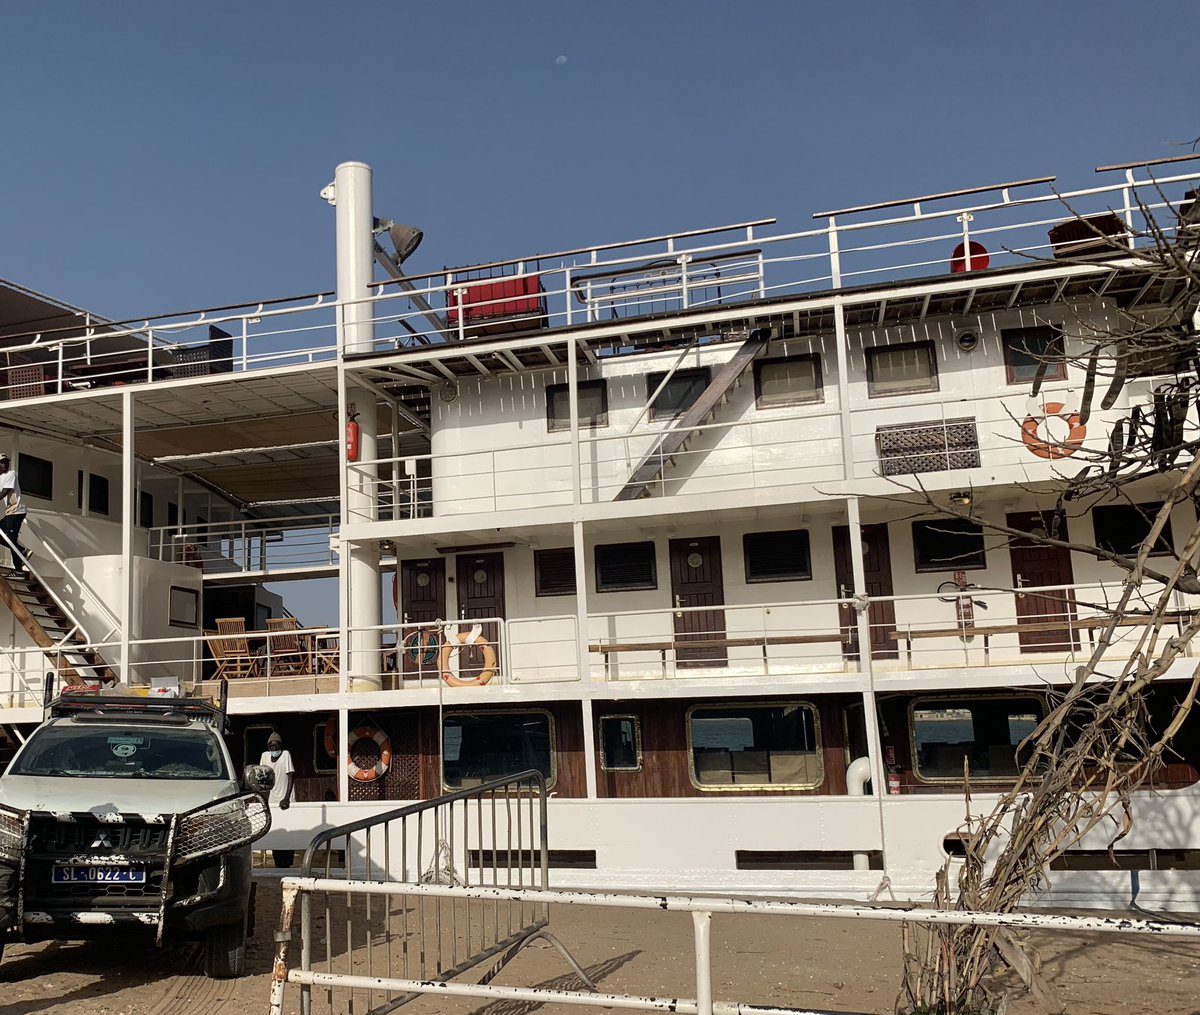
(834, 965)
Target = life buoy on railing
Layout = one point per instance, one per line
(331, 736)
(385, 754)
(450, 666)
(1036, 443)
(421, 647)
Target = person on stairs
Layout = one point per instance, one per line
(14, 513)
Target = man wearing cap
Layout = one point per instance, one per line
(280, 762)
(14, 512)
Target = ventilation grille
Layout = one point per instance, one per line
(935, 446)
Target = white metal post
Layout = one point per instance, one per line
(127, 481)
(583, 657)
(360, 645)
(702, 928)
(589, 748)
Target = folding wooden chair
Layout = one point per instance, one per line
(290, 651)
(231, 649)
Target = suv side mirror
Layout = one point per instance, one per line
(258, 778)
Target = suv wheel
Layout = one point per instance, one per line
(225, 951)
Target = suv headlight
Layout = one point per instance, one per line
(221, 827)
(12, 835)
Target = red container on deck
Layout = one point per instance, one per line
(498, 305)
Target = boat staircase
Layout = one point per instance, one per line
(48, 622)
(674, 440)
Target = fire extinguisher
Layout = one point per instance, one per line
(352, 438)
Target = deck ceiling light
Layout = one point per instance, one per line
(962, 498)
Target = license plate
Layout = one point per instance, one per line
(72, 875)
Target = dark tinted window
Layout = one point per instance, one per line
(97, 495)
(948, 544)
(679, 393)
(593, 405)
(754, 745)
(621, 566)
(36, 476)
(1122, 528)
(554, 572)
(985, 731)
(146, 510)
(1026, 349)
(777, 556)
(620, 744)
(478, 748)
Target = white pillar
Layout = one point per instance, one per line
(127, 502)
(361, 612)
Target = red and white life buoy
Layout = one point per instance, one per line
(1037, 444)
(449, 664)
(385, 754)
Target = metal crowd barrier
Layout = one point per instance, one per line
(367, 925)
(430, 891)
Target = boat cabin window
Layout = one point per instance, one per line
(764, 746)
(36, 476)
(984, 731)
(624, 566)
(480, 746)
(1122, 528)
(794, 380)
(948, 544)
(1026, 349)
(593, 405)
(679, 393)
(777, 556)
(183, 608)
(620, 743)
(97, 495)
(901, 369)
(554, 572)
(146, 510)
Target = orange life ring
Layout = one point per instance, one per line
(1064, 449)
(454, 640)
(331, 737)
(385, 754)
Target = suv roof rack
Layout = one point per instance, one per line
(92, 705)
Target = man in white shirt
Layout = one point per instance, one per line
(280, 762)
(14, 513)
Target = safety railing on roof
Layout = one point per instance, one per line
(1019, 224)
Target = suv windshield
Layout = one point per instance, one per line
(118, 752)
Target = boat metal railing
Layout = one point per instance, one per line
(491, 836)
(726, 265)
(967, 626)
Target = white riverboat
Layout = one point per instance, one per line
(631, 514)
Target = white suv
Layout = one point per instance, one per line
(125, 812)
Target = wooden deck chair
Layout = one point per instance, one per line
(327, 655)
(231, 650)
(289, 649)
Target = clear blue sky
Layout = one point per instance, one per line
(167, 155)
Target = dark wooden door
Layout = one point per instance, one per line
(696, 581)
(1035, 565)
(480, 580)
(422, 601)
(877, 570)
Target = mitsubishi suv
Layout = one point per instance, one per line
(124, 812)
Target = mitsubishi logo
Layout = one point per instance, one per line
(102, 839)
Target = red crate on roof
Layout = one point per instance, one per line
(498, 305)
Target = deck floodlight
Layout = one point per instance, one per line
(962, 498)
(405, 239)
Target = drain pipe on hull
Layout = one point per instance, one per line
(858, 774)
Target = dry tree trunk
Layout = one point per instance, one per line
(1086, 759)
